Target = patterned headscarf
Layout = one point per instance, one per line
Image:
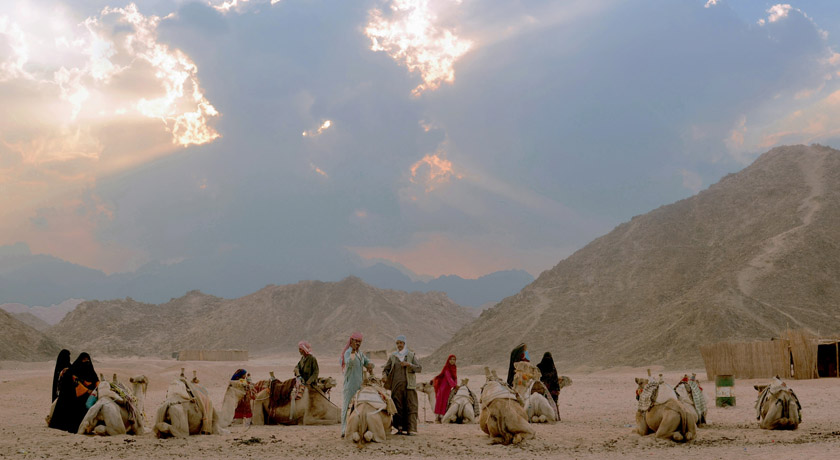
(306, 347)
(354, 336)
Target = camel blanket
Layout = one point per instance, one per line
(281, 392)
(776, 386)
(696, 395)
(376, 398)
(457, 391)
(648, 396)
(497, 391)
(202, 399)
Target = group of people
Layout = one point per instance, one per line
(74, 384)
(73, 388)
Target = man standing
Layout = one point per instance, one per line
(400, 372)
(353, 363)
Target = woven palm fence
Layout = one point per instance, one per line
(753, 360)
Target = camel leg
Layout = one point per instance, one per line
(451, 414)
(257, 411)
(469, 414)
(669, 427)
(180, 424)
(114, 423)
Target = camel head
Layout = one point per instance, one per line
(641, 383)
(564, 381)
(139, 381)
(760, 388)
(324, 383)
(464, 382)
(525, 372)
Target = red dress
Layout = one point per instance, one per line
(444, 383)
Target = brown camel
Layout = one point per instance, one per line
(502, 415)
(662, 413)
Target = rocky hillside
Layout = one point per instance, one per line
(272, 319)
(750, 256)
(20, 342)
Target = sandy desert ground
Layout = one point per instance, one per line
(597, 410)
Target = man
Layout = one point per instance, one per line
(400, 372)
(307, 368)
(353, 364)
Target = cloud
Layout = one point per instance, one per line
(325, 125)
(776, 13)
(318, 170)
(433, 170)
(710, 3)
(412, 36)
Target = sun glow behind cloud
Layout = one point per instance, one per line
(412, 36)
(316, 132)
(432, 171)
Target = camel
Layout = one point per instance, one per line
(661, 412)
(370, 412)
(187, 410)
(274, 403)
(502, 415)
(462, 405)
(235, 391)
(115, 411)
(429, 389)
(539, 405)
(777, 407)
(689, 392)
(139, 383)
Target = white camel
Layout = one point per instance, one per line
(115, 411)
(462, 406)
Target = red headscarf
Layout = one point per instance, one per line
(305, 346)
(453, 370)
(355, 336)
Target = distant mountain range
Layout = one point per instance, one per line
(272, 319)
(38, 279)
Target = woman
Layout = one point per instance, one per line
(549, 375)
(243, 409)
(401, 372)
(61, 364)
(520, 353)
(353, 363)
(444, 383)
(74, 388)
(307, 367)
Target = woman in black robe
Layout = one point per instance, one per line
(520, 353)
(74, 389)
(62, 363)
(549, 375)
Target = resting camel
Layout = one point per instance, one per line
(429, 389)
(660, 411)
(462, 405)
(777, 407)
(275, 403)
(187, 410)
(115, 411)
(689, 392)
(235, 391)
(369, 414)
(502, 415)
(539, 405)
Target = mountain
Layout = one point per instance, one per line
(20, 342)
(272, 319)
(38, 279)
(32, 321)
(492, 287)
(752, 255)
(50, 315)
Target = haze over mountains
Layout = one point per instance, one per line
(750, 256)
(272, 319)
(21, 342)
(38, 279)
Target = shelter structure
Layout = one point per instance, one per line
(793, 355)
(213, 355)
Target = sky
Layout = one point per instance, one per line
(293, 139)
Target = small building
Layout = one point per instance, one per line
(796, 354)
(213, 355)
